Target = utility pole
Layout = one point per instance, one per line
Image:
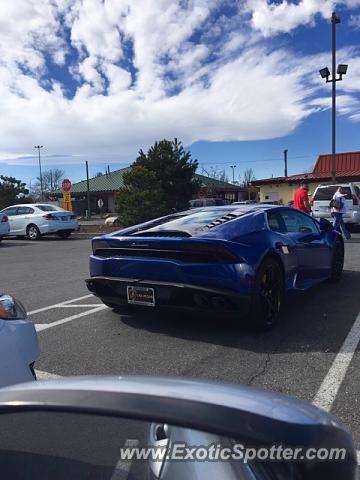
(38, 147)
(88, 192)
(285, 163)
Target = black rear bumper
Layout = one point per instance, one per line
(113, 291)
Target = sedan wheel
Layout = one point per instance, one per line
(267, 297)
(33, 233)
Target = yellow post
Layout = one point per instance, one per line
(67, 201)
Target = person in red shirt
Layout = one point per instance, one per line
(301, 198)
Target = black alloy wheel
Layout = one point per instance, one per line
(267, 297)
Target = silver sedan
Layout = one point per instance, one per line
(19, 345)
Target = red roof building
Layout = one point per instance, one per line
(347, 170)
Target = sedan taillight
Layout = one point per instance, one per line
(4, 219)
(49, 216)
(355, 200)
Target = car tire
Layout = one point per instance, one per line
(32, 232)
(267, 296)
(337, 261)
(64, 235)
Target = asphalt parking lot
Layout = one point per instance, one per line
(313, 354)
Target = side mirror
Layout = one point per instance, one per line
(161, 428)
(325, 225)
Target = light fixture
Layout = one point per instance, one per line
(325, 73)
(342, 69)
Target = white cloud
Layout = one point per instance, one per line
(284, 16)
(271, 18)
(354, 21)
(149, 70)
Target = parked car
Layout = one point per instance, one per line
(19, 346)
(324, 193)
(4, 226)
(167, 429)
(235, 259)
(208, 202)
(37, 219)
(244, 202)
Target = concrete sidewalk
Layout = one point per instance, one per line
(93, 221)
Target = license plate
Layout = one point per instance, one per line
(324, 209)
(141, 296)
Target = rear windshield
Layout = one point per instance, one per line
(326, 193)
(190, 223)
(47, 208)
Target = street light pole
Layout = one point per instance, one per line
(334, 21)
(325, 73)
(233, 172)
(41, 180)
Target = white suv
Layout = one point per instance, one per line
(324, 193)
(37, 219)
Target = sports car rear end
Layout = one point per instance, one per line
(164, 266)
(167, 272)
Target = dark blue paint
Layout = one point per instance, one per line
(307, 262)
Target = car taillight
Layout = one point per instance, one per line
(4, 219)
(49, 216)
(99, 245)
(355, 200)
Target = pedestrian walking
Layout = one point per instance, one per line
(338, 210)
(301, 198)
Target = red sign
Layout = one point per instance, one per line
(66, 185)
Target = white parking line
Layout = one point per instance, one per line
(83, 305)
(45, 326)
(40, 375)
(60, 304)
(330, 386)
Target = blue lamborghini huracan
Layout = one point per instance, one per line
(240, 259)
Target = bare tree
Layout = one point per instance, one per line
(217, 174)
(51, 181)
(248, 177)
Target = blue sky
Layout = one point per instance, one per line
(236, 81)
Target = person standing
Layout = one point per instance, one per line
(338, 210)
(301, 198)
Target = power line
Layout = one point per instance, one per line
(216, 162)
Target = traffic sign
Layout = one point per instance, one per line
(67, 196)
(66, 185)
(100, 203)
